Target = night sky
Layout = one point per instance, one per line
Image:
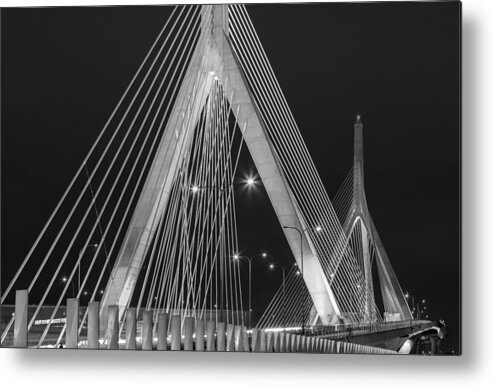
(396, 64)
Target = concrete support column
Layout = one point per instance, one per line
(303, 344)
(294, 343)
(277, 344)
(176, 333)
(93, 325)
(130, 329)
(211, 339)
(255, 340)
(147, 331)
(246, 342)
(20, 323)
(270, 342)
(288, 342)
(112, 330)
(72, 325)
(230, 339)
(263, 341)
(221, 336)
(199, 335)
(189, 328)
(435, 345)
(162, 332)
(282, 342)
(238, 338)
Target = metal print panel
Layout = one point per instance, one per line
(255, 178)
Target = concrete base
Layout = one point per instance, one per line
(112, 330)
(162, 332)
(20, 324)
(72, 330)
(93, 325)
(147, 331)
(130, 329)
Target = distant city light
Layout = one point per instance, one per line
(264, 255)
(271, 266)
(64, 279)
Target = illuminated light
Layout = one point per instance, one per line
(407, 295)
(271, 266)
(250, 181)
(85, 293)
(423, 301)
(195, 189)
(318, 229)
(236, 256)
(64, 279)
(298, 272)
(101, 291)
(264, 255)
(332, 275)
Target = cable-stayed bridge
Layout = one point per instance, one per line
(153, 204)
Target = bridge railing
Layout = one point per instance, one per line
(166, 332)
(344, 331)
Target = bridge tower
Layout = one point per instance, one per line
(213, 59)
(395, 303)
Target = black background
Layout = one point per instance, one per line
(64, 69)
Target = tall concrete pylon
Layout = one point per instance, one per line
(213, 58)
(392, 294)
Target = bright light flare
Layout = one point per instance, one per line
(195, 189)
(250, 181)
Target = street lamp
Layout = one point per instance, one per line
(65, 279)
(237, 257)
(80, 263)
(250, 182)
(272, 267)
(302, 232)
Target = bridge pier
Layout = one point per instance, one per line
(112, 331)
(93, 325)
(147, 330)
(162, 332)
(72, 324)
(20, 324)
(130, 329)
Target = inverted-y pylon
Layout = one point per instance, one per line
(358, 220)
(213, 59)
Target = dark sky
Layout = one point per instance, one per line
(396, 64)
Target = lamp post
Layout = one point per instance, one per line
(80, 263)
(272, 267)
(195, 188)
(250, 260)
(250, 182)
(65, 279)
(302, 232)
